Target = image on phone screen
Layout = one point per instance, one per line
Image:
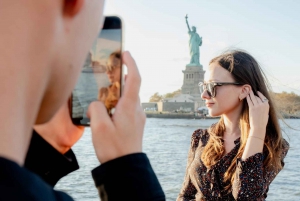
(101, 74)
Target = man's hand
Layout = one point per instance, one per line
(60, 132)
(122, 134)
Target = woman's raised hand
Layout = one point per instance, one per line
(258, 110)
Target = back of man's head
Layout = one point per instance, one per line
(43, 46)
(47, 41)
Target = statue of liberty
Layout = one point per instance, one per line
(194, 43)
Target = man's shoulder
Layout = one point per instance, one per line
(17, 183)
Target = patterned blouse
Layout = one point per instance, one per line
(200, 183)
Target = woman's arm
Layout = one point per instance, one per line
(258, 118)
(255, 143)
(188, 190)
(252, 181)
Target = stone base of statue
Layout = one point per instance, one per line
(194, 65)
(193, 74)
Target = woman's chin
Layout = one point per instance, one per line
(214, 113)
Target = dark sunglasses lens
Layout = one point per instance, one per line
(206, 87)
(210, 88)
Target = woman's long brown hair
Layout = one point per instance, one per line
(245, 69)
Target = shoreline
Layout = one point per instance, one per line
(177, 116)
(192, 116)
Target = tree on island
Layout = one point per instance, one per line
(172, 94)
(156, 97)
(287, 103)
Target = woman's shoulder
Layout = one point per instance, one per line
(200, 136)
(285, 147)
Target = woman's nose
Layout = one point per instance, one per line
(205, 95)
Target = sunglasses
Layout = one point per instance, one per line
(210, 87)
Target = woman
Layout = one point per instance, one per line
(238, 157)
(111, 94)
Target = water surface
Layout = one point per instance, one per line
(166, 142)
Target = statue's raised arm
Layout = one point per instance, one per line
(187, 23)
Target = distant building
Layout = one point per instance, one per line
(149, 106)
(180, 98)
(202, 111)
(169, 106)
(175, 106)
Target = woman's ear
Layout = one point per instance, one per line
(245, 91)
(72, 7)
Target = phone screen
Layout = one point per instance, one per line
(101, 75)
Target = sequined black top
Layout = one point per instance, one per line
(251, 183)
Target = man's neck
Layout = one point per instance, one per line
(26, 54)
(19, 105)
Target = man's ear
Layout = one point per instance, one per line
(72, 7)
(245, 91)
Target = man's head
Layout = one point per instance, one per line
(51, 39)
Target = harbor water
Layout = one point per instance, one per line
(166, 142)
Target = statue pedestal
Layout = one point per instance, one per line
(192, 76)
(193, 67)
(188, 65)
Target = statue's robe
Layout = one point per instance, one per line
(194, 43)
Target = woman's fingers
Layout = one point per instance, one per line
(258, 110)
(262, 97)
(253, 98)
(249, 101)
(257, 99)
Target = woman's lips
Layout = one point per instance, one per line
(209, 104)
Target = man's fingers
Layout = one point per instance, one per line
(98, 114)
(133, 79)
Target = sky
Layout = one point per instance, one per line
(155, 33)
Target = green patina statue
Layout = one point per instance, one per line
(194, 43)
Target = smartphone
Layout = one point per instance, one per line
(102, 74)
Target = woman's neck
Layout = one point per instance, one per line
(232, 128)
